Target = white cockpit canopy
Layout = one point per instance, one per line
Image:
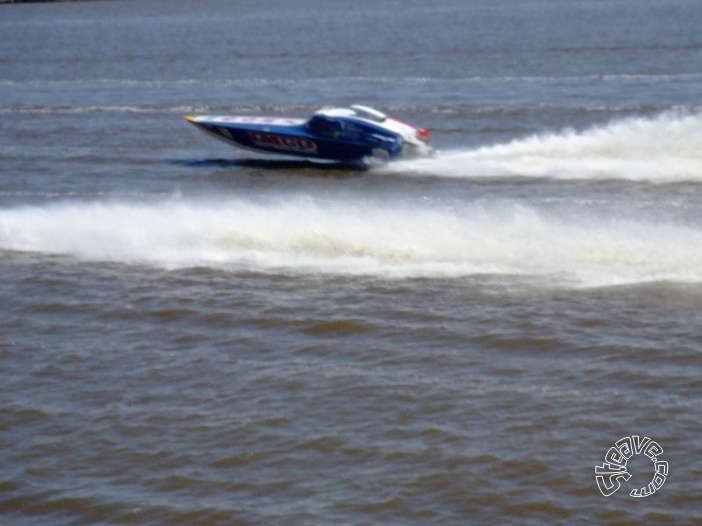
(369, 113)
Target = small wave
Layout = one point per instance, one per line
(359, 79)
(148, 109)
(74, 110)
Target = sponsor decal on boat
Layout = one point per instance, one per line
(283, 142)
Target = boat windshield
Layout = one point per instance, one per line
(322, 126)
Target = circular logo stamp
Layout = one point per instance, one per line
(614, 469)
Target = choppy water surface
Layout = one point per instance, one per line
(190, 336)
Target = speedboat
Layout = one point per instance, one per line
(357, 135)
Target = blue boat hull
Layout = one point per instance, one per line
(292, 141)
(353, 135)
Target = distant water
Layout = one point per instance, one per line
(192, 336)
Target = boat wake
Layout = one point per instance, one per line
(351, 236)
(665, 148)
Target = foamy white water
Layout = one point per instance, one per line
(665, 148)
(349, 236)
